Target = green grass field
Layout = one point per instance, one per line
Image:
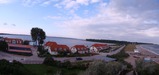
(39, 69)
(130, 47)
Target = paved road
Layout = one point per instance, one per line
(111, 53)
(101, 56)
(23, 59)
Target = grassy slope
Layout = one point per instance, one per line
(39, 69)
(130, 47)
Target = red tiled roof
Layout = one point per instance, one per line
(49, 43)
(12, 39)
(16, 40)
(55, 47)
(63, 46)
(99, 45)
(80, 47)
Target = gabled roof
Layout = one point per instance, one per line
(63, 46)
(80, 47)
(49, 43)
(55, 47)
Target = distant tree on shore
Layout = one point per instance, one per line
(114, 41)
(38, 35)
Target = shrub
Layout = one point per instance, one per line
(15, 68)
(120, 56)
(3, 46)
(103, 68)
(146, 68)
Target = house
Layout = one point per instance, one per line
(20, 49)
(53, 48)
(13, 40)
(79, 49)
(1, 39)
(95, 48)
(64, 48)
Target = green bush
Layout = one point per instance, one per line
(66, 64)
(146, 68)
(3, 46)
(14, 68)
(120, 56)
(103, 68)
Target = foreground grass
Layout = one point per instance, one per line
(130, 47)
(40, 69)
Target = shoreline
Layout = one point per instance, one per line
(148, 53)
(149, 50)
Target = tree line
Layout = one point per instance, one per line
(115, 41)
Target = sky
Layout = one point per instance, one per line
(129, 20)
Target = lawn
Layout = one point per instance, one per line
(130, 47)
(39, 69)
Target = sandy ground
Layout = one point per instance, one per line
(146, 53)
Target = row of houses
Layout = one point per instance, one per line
(53, 48)
(16, 45)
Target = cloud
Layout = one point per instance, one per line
(151, 32)
(74, 4)
(5, 23)
(130, 20)
(5, 1)
(30, 3)
(53, 17)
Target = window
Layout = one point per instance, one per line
(14, 42)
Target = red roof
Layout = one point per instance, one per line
(99, 45)
(12, 39)
(63, 46)
(55, 47)
(80, 47)
(49, 43)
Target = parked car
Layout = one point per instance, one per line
(78, 58)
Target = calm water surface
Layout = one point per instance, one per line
(67, 41)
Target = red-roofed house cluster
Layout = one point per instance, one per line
(53, 48)
(16, 45)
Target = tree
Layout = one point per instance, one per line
(26, 42)
(3, 46)
(146, 67)
(49, 61)
(103, 68)
(38, 35)
(13, 68)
